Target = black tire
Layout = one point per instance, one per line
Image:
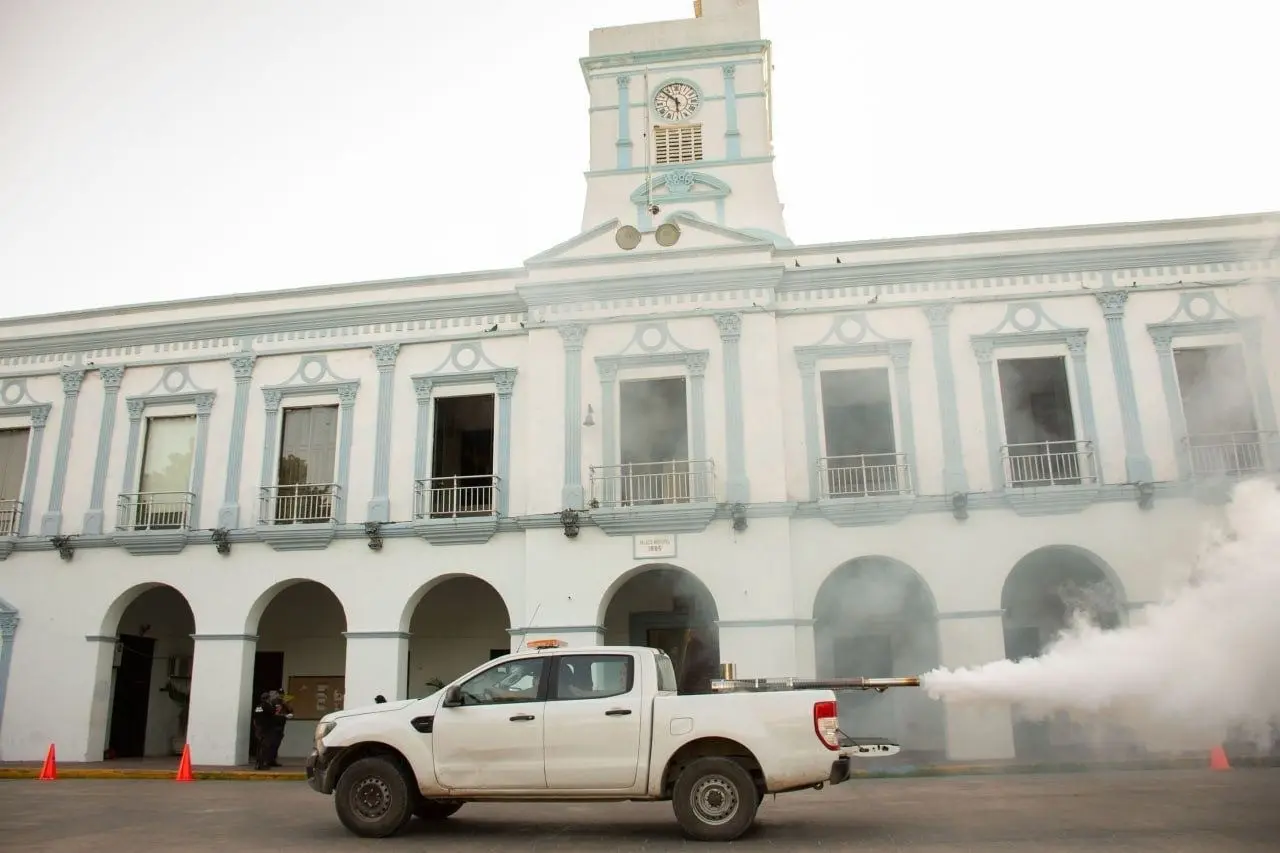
(431, 810)
(715, 799)
(373, 798)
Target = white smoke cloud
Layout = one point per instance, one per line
(1202, 669)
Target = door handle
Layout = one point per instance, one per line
(617, 712)
(522, 718)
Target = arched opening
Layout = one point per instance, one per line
(301, 652)
(457, 624)
(150, 679)
(875, 617)
(665, 607)
(1043, 593)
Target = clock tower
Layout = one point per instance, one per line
(680, 123)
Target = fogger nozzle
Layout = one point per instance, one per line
(725, 685)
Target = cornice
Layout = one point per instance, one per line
(602, 62)
(661, 284)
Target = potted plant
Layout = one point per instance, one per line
(433, 684)
(183, 700)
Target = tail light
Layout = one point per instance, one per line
(826, 722)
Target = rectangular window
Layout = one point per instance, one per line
(654, 438)
(1217, 404)
(862, 449)
(308, 462)
(594, 676)
(462, 464)
(1040, 433)
(164, 500)
(13, 466)
(677, 143)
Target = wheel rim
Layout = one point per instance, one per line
(714, 800)
(371, 798)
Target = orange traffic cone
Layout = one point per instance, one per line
(184, 766)
(50, 769)
(1218, 759)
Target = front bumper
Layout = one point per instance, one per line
(839, 771)
(320, 767)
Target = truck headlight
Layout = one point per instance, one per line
(322, 729)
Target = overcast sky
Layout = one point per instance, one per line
(160, 149)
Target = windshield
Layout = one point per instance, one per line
(666, 674)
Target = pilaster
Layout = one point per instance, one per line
(1076, 346)
(384, 356)
(624, 121)
(346, 406)
(809, 396)
(204, 408)
(900, 357)
(111, 378)
(697, 363)
(732, 137)
(422, 432)
(985, 353)
(39, 420)
(608, 429)
(72, 378)
(1173, 401)
(505, 382)
(1137, 464)
(229, 513)
(955, 477)
(738, 488)
(571, 494)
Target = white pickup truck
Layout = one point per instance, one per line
(598, 723)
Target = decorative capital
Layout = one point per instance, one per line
(422, 387)
(984, 351)
(900, 354)
(40, 416)
(272, 398)
(111, 377)
(697, 362)
(8, 625)
(204, 405)
(135, 408)
(72, 377)
(624, 80)
(1163, 342)
(384, 355)
(728, 71)
(1075, 344)
(1112, 302)
(730, 324)
(807, 362)
(573, 335)
(347, 395)
(242, 367)
(505, 380)
(608, 370)
(939, 314)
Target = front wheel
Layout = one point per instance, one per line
(715, 799)
(373, 799)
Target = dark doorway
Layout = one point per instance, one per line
(654, 434)
(1038, 422)
(129, 705)
(462, 457)
(268, 674)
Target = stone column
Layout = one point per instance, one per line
(204, 408)
(229, 513)
(272, 399)
(111, 378)
(732, 137)
(955, 477)
(1137, 464)
(624, 121)
(809, 399)
(505, 382)
(347, 405)
(380, 504)
(571, 494)
(72, 377)
(377, 663)
(697, 364)
(127, 482)
(975, 732)
(738, 489)
(8, 629)
(221, 698)
(610, 483)
(421, 442)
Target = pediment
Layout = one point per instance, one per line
(599, 244)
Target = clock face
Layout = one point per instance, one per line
(676, 102)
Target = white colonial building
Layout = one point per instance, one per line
(868, 458)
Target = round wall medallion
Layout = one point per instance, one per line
(466, 357)
(652, 338)
(312, 370)
(1026, 319)
(667, 234)
(628, 237)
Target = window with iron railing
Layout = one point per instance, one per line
(1233, 454)
(13, 466)
(864, 475)
(653, 483)
(1049, 463)
(454, 497)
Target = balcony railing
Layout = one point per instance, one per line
(10, 517)
(1049, 463)
(653, 483)
(153, 510)
(1232, 454)
(456, 497)
(864, 475)
(314, 503)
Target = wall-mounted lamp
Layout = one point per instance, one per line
(569, 519)
(1146, 495)
(590, 419)
(222, 540)
(63, 544)
(739, 513)
(960, 506)
(373, 529)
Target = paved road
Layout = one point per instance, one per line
(1184, 811)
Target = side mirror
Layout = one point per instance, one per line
(452, 696)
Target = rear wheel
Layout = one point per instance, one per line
(715, 799)
(373, 799)
(430, 810)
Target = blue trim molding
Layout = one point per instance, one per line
(737, 486)
(955, 478)
(72, 377)
(571, 494)
(111, 378)
(680, 186)
(313, 377)
(624, 122)
(1025, 324)
(853, 336)
(384, 356)
(8, 630)
(1137, 464)
(732, 138)
(242, 371)
(466, 364)
(1201, 314)
(15, 401)
(653, 345)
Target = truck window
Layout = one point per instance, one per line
(667, 681)
(513, 681)
(594, 676)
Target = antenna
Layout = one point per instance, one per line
(532, 619)
(648, 165)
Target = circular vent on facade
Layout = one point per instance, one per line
(628, 237)
(667, 234)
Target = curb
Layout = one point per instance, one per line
(95, 773)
